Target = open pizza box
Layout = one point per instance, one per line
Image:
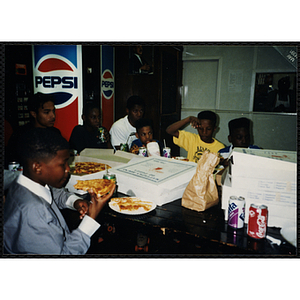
(157, 179)
(262, 164)
(99, 175)
(108, 155)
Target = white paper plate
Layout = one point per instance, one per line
(112, 204)
(289, 233)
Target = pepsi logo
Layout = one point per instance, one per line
(54, 64)
(56, 75)
(107, 84)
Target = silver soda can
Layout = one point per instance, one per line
(236, 212)
(143, 151)
(13, 166)
(167, 152)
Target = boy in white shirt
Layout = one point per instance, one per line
(123, 131)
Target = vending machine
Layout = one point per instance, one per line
(57, 70)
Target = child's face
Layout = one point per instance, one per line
(240, 138)
(145, 134)
(93, 118)
(45, 116)
(56, 171)
(206, 130)
(135, 114)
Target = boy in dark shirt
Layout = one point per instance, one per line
(239, 136)
(42, 114)
(91, 134)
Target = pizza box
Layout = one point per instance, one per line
(99, 175)
(108, 154)
(158, 179)
(282, 206)
(262, 164)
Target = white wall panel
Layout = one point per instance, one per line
(230, 70)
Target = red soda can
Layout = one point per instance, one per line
(257, 222)
(236, 212)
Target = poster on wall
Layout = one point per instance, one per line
(275, 92)
(57, 70)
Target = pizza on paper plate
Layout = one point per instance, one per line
(99, 186)
(88, 168)
(130, 204)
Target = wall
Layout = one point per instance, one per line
(222, 79)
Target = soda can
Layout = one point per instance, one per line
(235, 236)
(101, 134)
(236, 212)
(111, 177)
(143, 151)
(167, 152)
(20, 169)
(257, 222)
(124, 147)
(13, 166)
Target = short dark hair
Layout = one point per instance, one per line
(143, 123)
(238, 123)
(38, 100)
(208, 115)
(41, 144)
(135, 100)
(88, 107)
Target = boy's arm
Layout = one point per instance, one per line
(173, 129)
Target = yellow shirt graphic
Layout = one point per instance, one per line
(193, 144)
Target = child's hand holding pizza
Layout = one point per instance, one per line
(98, 202)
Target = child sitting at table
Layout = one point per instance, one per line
(196, 144)
(88, 135)
(144, 134)
(239, 136)
(33, 223)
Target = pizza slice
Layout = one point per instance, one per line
(88, 167)
(131, 204)
(99, 186)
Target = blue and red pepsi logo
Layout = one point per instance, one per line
(56, 75)
(107, 85)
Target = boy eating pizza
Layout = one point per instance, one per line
(33, 223)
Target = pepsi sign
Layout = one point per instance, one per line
(57, 70)
(57, 73)
(107, 84)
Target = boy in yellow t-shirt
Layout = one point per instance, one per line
(196, 144)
